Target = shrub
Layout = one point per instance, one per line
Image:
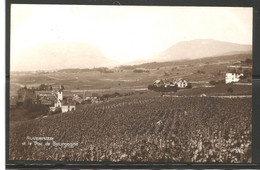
(201, 72)
(141, 71)
(162, 88)
(248, 61)
(105, 96)
(88, 101)
(243, 77)
(221, 81)
(150, 87)
(212, 82)
(38, 108)
(57, 110)
(27, 103)
(189, 86)
(230, 90)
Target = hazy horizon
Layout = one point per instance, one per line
(121, 34)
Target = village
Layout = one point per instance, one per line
(56, 99)
(154, 79)
(53, 97)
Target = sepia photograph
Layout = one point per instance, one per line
(130, 84)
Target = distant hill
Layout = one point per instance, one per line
(51, 56)
(226, 58)
(54, 56)
(200, 48)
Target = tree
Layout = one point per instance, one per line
(27, 102)
(212, 82)
(248, 61)
(42, 87)
(38, 108)
(166, 74)
(189, 86)
(62, 87)
(150, 87)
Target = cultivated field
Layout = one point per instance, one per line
(124, 77)
(140, 129)
(206, 123)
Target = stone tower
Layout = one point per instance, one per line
(60, 96)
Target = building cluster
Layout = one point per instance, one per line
(232, 77)
(23, 97)
(67, 102)
(242, 72)
(180, 83)
(55, 98)
(60, 103)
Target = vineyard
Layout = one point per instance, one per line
(141, 129)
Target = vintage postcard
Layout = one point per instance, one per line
(134, 84)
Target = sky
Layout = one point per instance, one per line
(125, 33)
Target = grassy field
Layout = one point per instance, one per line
(124, 77)
(21, 114)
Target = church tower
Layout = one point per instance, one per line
(59, 96)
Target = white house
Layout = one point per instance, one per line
(181, 83)
(67, 108)
(232, 77)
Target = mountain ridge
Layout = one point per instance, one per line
(54, 56)
(200, 48)
(51, 56)
(193, 49)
